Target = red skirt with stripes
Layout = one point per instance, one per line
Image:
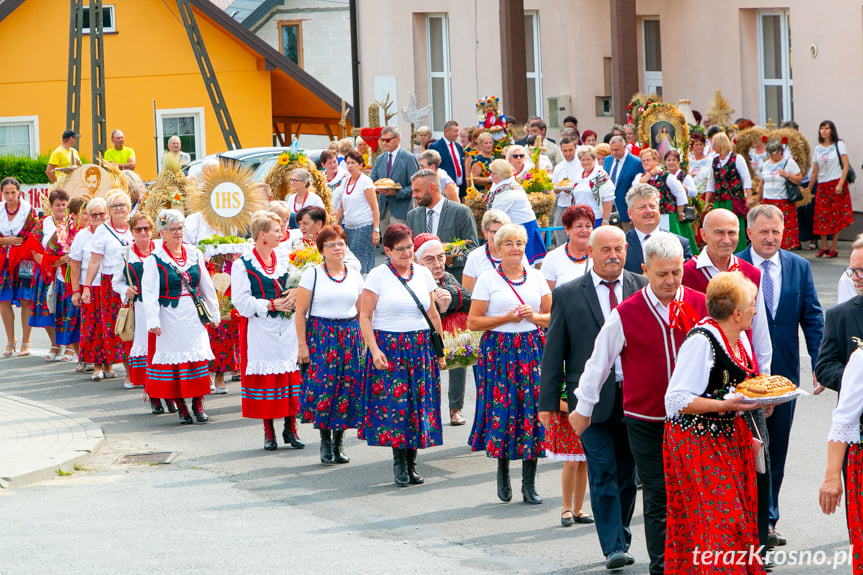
(174, 381)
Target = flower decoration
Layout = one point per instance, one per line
(785, 140)
(764, 138)
(460, 349)
(177, 198)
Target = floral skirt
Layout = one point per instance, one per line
(271, 396)
(109, 305)
(17, 289)
(832, 211)
(507, 397)
(39, 314)
(791, 233)
(561, 442)
(401, 404)
(854, 505)
(92, 349)
(175, 380)
(224, 341)
(712, 497)
(67, 317)
(332, 385)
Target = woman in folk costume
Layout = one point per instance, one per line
(109, 244)
(268, 336)
(127, 284)
(49, 244)
(175, 277)
(16, 264)
(729, 184)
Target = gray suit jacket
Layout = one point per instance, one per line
(456, 222)
(576, 319)
(404, 166)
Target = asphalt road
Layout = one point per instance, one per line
(227, 506)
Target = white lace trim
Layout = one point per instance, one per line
(182, 357)
(844, 433)
(678, 402)
(271, 367)
(138, 351)
(552, 456)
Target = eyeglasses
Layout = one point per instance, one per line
(175, 230)
(141, 229)
(293, 181)
(518, 155)
(402, 249)
(854, 273)
(117, 207)
(98, 215)
(333, 245)
(388, 139)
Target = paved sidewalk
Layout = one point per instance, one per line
(37, 439)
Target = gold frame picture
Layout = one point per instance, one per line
(663, 125)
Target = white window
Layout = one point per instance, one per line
(533, 59)
(109, 24)
(188, 124)
(437, 40)
(652, 57)
(774, 66)
(19, 136)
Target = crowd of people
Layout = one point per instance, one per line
(617, 352)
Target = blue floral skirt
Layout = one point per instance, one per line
(39, 314)
(17, 289)
(333, 383)
(401, 404)
(507, 397)
(67, 317)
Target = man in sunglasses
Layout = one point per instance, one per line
(397, 165)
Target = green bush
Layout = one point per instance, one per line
(26, 169)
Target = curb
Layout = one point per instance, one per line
(40, 439)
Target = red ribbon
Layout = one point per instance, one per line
(682, 315)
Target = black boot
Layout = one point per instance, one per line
(338, 449)
(400, 467)
(504, 489)
(183, 411)
(528, 482)
(198, 409)
(327, 447)
(169, 403)
(290, 433)
(415, 478)
(270, 436)
(156, 406)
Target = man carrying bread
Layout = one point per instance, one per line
(397, 165)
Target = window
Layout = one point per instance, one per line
(652, 57)
(437, 39)
(291, 40)
(19, 136)
(533, 59)
(774, 67)
(188, 124)
(108, 22)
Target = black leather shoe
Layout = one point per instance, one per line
(338, 449)
(198, 409)
(566, 518)
(290, 434)
(400, 467)
(269, 436)
(156, 406)
(414, 477)
(271, 445)
(169, 403)
(183, 411)
(774, 539)
(618, 560)
(528, 482)
(504, 489)
(327, 447)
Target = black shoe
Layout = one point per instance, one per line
(618, 560)
(566, 518)
(528, 482)
(270, 436)
(183, 411)
(400, 467)
(339, 450)
(504, 489)
(414, 477)
(198, 409)
(769, 564)
(169, 403)
(290, 434)
(774, 539)
(156, 406)
(327, 447)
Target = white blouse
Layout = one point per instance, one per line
(119, 284)
(492, 288)
(582, 193)
(774, 184)
(356, 211)
(396, 310)
(510, 198)
(333, 300)
(11, 228)
(846, 417)
(829, 165)
(312, 199)
(478, 262)
(558, 268)
(80, 251)
(111, 245)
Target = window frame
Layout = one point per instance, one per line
(652, 79)
(33, 123)
(786, 83)
(105, 30)
(200, 130)
(536, 75)
(299, 25)
(446, 74)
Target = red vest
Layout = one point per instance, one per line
(697, 279)
(650, 354)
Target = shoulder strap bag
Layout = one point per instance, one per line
(203, 314)
(124, 325)
(852, 175)
(436, 339)
(792, 190)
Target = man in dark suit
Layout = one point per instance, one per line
(790, 301)
(397, 165)
(642, 202)
(621, 167)
(439, 216)
(451, 155)
(578, 311)
(843, 327)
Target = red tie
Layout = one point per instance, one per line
(455, 160)
(612, 297)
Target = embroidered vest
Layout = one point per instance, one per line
(134, 271)
(264, 287)
(727, 178)
(170, 284)
(667, 203)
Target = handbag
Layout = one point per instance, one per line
(124, 325)
(852, 175)
(689, 215)
(51, 297)
(758, 453)
(792, 190)
(200, 308)
(436, 339)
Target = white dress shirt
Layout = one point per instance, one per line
(775, 275)
(456, 159)
(435, 215)
(845, 290)
(845, 426)
(607, 348)
(760, 330)
(605, 305)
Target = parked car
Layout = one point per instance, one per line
(259, 160)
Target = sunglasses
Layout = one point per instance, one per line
(141, 229)
(387, 139)
(518, 155)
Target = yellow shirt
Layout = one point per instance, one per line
(119, 156)
(62, 158)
